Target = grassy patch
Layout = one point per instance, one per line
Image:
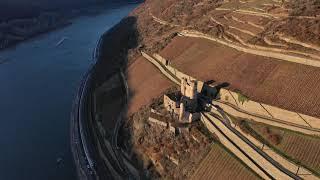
(241, 97)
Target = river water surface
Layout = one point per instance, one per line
(38, 83)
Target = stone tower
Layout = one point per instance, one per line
(188, 101)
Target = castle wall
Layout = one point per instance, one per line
(189, 88)
(158, 65)
(176, 72)
(170, 105)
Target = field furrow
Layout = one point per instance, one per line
(219, 164)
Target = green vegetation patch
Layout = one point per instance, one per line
(241, 97)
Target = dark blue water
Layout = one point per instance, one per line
(36, 92)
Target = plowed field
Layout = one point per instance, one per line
(302, 148)
(145, 83)
(307, 150)
(219, 164)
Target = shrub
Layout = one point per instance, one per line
(242, 98)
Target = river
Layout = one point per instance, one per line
(38, 83)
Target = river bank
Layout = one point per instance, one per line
(96, 152)
(93, 158)
(81, 141)
(39, 85)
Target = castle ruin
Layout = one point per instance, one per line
(186, 105)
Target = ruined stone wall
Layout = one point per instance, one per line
(170, 105)
(189, 88)
(158, 65)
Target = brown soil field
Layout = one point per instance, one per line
(219, 164)
(283, 84)
(302, 148)
(305, 149)
(145, 83)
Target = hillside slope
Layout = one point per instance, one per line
(265, 50)
(288, 28)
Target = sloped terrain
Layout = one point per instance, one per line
(219, 164)
(287, 85)
(268, 26)
(261, 48)
(301, 148)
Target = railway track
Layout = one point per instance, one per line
(84, 152)
(92, 156)
(79, 144)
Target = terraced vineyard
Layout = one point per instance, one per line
(255, 25)
(286, 85)
(302, 148)
(305, 149)
(219, 164)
